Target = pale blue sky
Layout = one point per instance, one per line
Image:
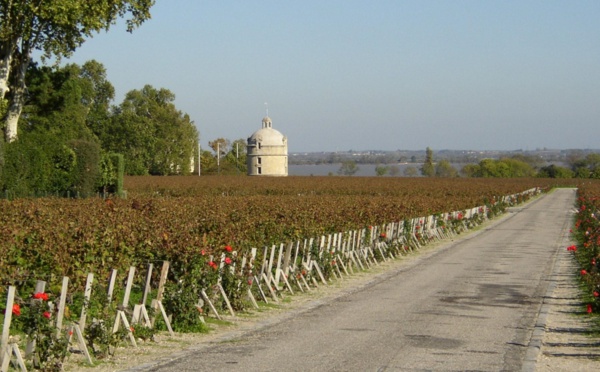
(369, 74)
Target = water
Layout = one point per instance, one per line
(364, 170)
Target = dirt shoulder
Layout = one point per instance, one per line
(567, 343)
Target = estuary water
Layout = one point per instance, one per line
(364, 170)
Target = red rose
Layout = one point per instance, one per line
(583, 272)
(589, 308)
(228, 248)
(41, 296)
(16, 310)
(228, 260)
(47, 314)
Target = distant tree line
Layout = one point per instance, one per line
(579, 166)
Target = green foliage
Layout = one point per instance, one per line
(443, 168)
(348, 168)
(38, 163)
(153, 136)
(502, 168)
(2, 161)
(554, 171)
(112, 169)
(381, 170)
(70, 106)
(185, 290)
(59, 102)
(35, 319)
(102, 313)
(588, 167)
(57, 29)
(87, 170)
(118, 162)
(428, 169)
(410, 172)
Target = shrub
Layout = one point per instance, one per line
(112, 169)
(87, 170)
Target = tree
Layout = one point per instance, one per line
(348, 168)
(98, 118)
(220, 146)
(554, 171)
(65, 101)
(153, 136)
(471, 170)
(56, 28)
(208, 163)
(428, 169)
(518, 167)
(444, 169)
(394, 170)
(410, 172)
(381, 170)
(237, 155)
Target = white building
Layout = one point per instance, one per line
(267, 152)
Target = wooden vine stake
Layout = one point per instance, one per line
(210, 304)
(287, 283)
(139, 310)
(157, 302)
(316, 265)
(9, 348)
(262, 293)
(268, 284)
(222, 291)
(121, 317)
(73, 328)
(40, 287)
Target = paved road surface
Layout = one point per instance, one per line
(471, 306)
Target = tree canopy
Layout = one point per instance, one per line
(72, 140)
(152, 134)
(56, 28)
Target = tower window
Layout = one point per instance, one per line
(259, 170)
(259, 160)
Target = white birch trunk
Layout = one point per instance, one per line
(18, 100)
(12, 118)
(4, 73)
(7, 50)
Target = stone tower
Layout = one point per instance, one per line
(267, 152)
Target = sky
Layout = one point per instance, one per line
(341, 75)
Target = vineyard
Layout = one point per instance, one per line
(175, 218)
(237, 238)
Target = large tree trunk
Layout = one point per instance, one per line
(4, 73)
(18, 98)
(14, 112)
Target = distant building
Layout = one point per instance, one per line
(267, 152)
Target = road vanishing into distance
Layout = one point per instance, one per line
(471, 305)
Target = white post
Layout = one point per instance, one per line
(6, 327)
